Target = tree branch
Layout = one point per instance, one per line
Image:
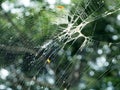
(16, 49)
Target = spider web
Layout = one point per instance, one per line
(56, 66)
(71, 34)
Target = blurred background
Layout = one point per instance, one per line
(31, 57)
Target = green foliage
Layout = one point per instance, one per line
(30, 35)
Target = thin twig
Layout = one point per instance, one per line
(22, 35)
